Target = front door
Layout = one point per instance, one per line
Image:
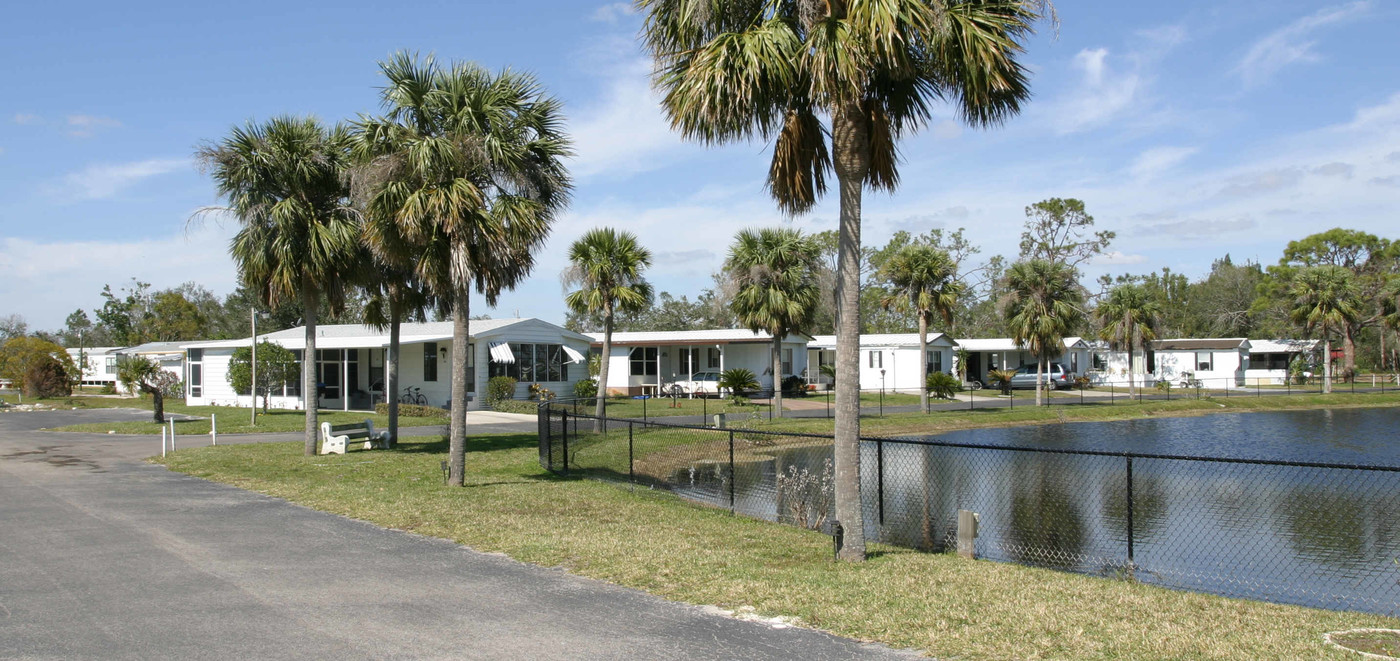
(974, 367)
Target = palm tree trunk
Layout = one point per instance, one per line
(923, 363)
(600, 402)
(851, 144)
(391, 387)
(1348, 352)
(158, 404)
(1326, 362)
(1132, 389)
(457, 434)
(309, 396)
(1039, 375)
(777, 376)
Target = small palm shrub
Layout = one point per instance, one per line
(1001, 380)
(942, 385)
(738, 381)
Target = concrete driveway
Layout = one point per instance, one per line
(105, 556)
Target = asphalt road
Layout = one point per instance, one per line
(105, 556)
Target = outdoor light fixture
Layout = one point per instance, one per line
(443, 352)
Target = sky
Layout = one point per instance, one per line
(1192, 129)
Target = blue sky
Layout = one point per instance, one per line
(1192, 129)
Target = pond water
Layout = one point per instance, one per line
(1326, 537)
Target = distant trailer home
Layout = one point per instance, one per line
(1216, 362)
(887, 360)
(98, 364)
(985, 355)
(643, 361)
(1269, 360)
(350, 363)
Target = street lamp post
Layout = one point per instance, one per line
(882, 392)
(253, 362)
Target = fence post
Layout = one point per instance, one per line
(882, 402)
(644, 406)
(213, 429)
(1130, 511)
(828, 402)
(564, 415)
(971, 400)
(631, 476)
(880, 479)
(731, 471)
(1110, 392)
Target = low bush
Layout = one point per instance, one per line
(794, 386)
(528, 407)
(46, 377)
(498, 388)
(942, 385)
(413, 411)
(109, 389)
(586, 389)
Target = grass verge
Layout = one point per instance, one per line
(231, 420)
(653, 541)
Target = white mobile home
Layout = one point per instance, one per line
(1216, 362)
(98, 365)
(887, 360)
(642, 361)
(1269, 359)
(985, 355)
(350, 362)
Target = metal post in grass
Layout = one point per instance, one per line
(880, 479)
(213, 429)
(162, 441)
(1110, 393)
(1130, 510)
(828, 403)
(172, 434)
(731, 471)
(644, 406)
(564, 415)
(631, 476)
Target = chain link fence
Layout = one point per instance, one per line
(1314, 534)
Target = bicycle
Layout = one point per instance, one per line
(413, 395)
(1189, 380)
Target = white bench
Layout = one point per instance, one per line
(334, 438)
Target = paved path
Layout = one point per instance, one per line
(105, 556)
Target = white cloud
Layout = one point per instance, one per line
(1335, 169)
(946, 130)
(624, 133)
(49, 279)
(82, 126)
(97, 182)
(1117, 258)
(26, 118)
(1292, 42)
(1154, 161)
(614, 12)
(1102, 94)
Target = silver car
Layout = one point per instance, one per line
(1056, 376)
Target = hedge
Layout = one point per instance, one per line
(413, 411)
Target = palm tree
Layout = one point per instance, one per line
(1129, 318)
(731, 71)
(607, 266)
(469, 166)
(1324, 298)
(284, 180)
(773, 272)
(1042, 306)
(923, 278)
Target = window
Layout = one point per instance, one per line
(714, 357)
(935, 361)
(643, 361)
(1204, 361)
(328, 366)
(1074, 362)
(112, 361)
(787, 361)
(534, 363)
(196, 363)
(1151, 359)
(293, 385)
(1098, 361)
(877, 359)
(689, 360)
(430, 361)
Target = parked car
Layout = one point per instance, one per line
(701, 383)
(1056, 376)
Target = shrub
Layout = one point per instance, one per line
(109, 388)
(942, 385)
(586, 389)
(829, 371)
(738, 381)
(1001, 379)
(1083, 382)
(794, 385)
(413, 410)
(516, 406)
(45, 377)
(540, 393)
(499, 388)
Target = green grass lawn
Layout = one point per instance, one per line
(651, 540)
(231, 420)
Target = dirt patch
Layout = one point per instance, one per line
(1370, 643)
